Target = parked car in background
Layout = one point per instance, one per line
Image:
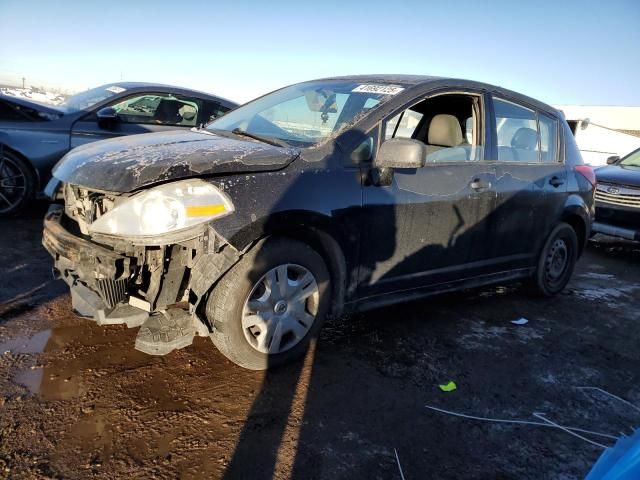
(598, 142)
(342, 193)
(34, 136)
(618, 197)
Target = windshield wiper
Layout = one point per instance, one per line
(260, 138)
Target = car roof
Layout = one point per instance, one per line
(389, 78)
(169, 88)
(428, 80)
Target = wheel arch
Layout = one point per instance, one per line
(311, 228)
(579, 215)
(577, 222)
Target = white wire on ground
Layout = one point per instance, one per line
(611, 395)
(565, 429)
(521, 422)
(399, 466)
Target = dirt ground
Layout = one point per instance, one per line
(77, 401)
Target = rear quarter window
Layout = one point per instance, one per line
(9, 114)
(548, 138)
(20, 113)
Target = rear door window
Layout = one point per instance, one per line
(516, 132)
(212, 110)
(523, 134)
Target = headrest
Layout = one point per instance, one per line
(525, 139)
(169, 106)
(444, 131)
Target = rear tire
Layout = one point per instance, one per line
(556, 262)
(266, 310)
(17, 184)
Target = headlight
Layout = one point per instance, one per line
(164, 209)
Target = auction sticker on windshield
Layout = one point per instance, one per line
(115, 89)
(381, 89)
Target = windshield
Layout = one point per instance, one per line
(306, 113)
(87, 99)
(632, 160)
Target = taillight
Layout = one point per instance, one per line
(587, 172)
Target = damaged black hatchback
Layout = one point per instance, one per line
(325, 196)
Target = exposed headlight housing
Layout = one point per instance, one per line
(164, 209)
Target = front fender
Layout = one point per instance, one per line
(41, 149)
(317, 231)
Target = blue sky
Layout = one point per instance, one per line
(560, 51)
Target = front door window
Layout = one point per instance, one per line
(448, 124)
(159, 109)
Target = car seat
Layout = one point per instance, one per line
(444, 140)
(168, 111)
(525, 145)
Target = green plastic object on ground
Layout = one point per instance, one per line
(448, 387)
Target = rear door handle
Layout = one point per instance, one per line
(479, 186)
(555, 182)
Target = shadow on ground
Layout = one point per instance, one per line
(78, 401)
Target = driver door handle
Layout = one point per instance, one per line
(555, 181)
(479, 186)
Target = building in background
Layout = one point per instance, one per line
(603, 131)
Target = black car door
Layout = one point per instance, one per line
(430, 225)
(531, 182)
(139, 113)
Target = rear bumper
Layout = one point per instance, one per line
(616, 231)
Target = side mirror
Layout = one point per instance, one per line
(401, 153)
(613, 160)
(107, 117)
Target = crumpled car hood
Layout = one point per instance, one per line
(125, 164)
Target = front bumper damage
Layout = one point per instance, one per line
(115, 281)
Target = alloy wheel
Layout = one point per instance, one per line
(13, 184)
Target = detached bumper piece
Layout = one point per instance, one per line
(166, 331)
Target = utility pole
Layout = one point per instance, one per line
(23, 79)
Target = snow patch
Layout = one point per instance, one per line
(35, 94)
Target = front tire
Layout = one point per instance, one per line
(556, 262)
(266, 310)
(17, 185)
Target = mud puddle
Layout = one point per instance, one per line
(31, 344)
